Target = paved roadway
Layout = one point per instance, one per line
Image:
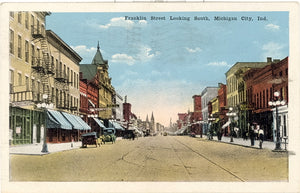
(160, 158)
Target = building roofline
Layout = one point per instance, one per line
(64, 44)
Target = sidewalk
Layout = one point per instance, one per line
(247, 143)
(36, 149)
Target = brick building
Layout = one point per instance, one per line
(261, 84)
(196, 117)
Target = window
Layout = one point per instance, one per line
(64, 71)
(32, 85)
(286, 71)
(27, 83)
(19, 79)
(77, 78)
(12, 14)
(264, 99)
(74, 80)
(11, 42)
(38, 59)
(19, 46)
(271, 94)
(32, 24)
(280, 73)
(32, 54)
(11, 83)
(71, 77)
(20, 17)
(26, 20)
(68, 74)
(37, 26)
(26, 51)
(52, 95)
(57, 97)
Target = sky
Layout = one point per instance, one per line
(160, 64)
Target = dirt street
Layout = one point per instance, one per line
(161, 158)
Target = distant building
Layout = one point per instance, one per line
(98, 71)
(207, 94)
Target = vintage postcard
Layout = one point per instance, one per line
(150, 97)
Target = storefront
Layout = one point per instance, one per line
(25, 126)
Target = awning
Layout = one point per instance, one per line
(91, 103)
(51, 122)
(84, 124)
(180, 131)
(226, 124)
(116, 125)
(60, 120)
(72, 120)
(99, 122)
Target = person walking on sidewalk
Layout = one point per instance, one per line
(252, 135)
(261, 137)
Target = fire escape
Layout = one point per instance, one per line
(42, 66)
(62, 84)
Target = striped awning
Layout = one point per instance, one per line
(116, 125)
(84, 124)
(76, 122)
(71, 118)
(60, 120)
(99, 122)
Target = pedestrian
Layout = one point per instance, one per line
(261, 137)
(256, 132)
(252, 135)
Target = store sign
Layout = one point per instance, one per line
(18, 130)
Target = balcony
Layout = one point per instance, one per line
(63, 105)
(37, 32)
(61, 76)
(37, 64)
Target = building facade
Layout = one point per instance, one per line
(207, 94)
(43, 70)
(97, 72)
(261, 85)
(236, 92)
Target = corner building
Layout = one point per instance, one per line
(43, 69)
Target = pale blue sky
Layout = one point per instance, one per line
(160, 65)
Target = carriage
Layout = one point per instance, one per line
(90, 139)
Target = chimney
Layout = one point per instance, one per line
(269, 59)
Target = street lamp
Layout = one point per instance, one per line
(45, 106)
(275, 103)
(231, 115)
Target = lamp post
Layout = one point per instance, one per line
(231, 114)
(45, 106)
(275, 103)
